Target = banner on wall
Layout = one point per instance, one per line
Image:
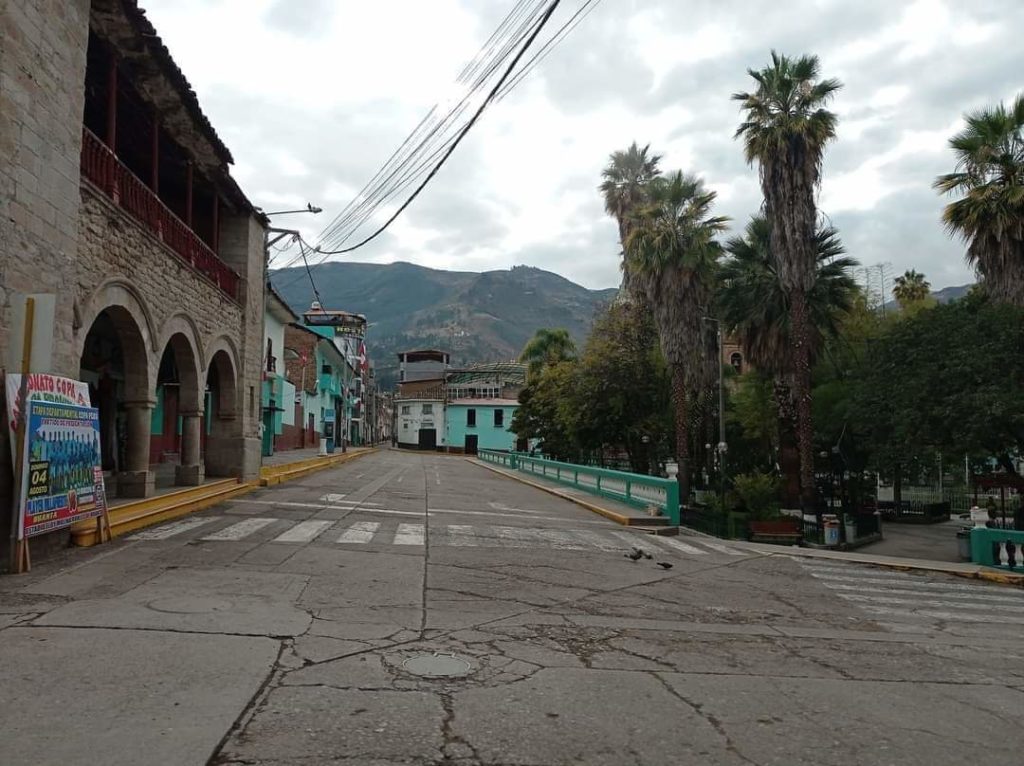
(41, 387)
(62, 476)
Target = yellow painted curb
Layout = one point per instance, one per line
(271, 476)
(619, 518)
(150, 511)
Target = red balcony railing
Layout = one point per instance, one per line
(101, 166)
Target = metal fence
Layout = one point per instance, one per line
(631, 488)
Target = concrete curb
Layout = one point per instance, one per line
(278, 474)
(968, 571)
(618, 518)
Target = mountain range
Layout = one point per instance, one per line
(478, 317)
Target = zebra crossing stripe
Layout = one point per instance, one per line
(897, 579)
(597, 540)
(303, 532)
(948, 616)
(722, 548)
(913, 603)
(462, 535)
(409, 534)
(170, 530)
(939, 591)
(360, 532)
(240, 530)
(679, 545)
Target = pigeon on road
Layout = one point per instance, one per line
(664, 565)
(635, 555)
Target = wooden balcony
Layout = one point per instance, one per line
(102, 167)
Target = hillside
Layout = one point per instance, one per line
(479, 317)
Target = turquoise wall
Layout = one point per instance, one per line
(488, 436)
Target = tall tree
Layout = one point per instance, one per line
(785, 130)
(547, 347)
(989, 215)
(911, 288)
(624, 188)
(754, 306)
(672, 250)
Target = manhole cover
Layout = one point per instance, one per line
(437, 665)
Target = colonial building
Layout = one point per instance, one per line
(278, 392)
(115, 197)
(419, 403)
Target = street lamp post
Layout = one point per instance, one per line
(721, 447)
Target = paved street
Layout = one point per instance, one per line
(420, 609)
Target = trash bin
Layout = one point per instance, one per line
(323, 447)
(831, 524)
(963, 543)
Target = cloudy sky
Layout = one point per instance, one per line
(312, 96)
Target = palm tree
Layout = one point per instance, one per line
(785, 130)
(546, 348)
(672, 252)
(989, 216)
(754, 308)
(626, 178)
(911, 288)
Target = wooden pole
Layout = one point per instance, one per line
(22, 562)
(154, 171)
(112, 104)
(188, 193)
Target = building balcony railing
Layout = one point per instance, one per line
(102, 167)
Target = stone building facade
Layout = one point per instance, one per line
(115, 197)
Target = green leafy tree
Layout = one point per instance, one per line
(948, 379)
(911, 289)
(545, 411)
(989, 215)
(547, 347)
(624, 188)
(785, 130)
(754, 307)
(672, 250)
(621, 394)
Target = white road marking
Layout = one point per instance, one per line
(680, 545)
(304, 532)
(948, 616)
(331, 497)
(340, 504)
(520, 537)
(360, 532)
(498, 514)
(913, 603)
(722, 548)
(240, 530)
(939, 591)
(409, 534)
(633, 538)
(401, 478)
(597, 540)
(462, 535)
(503, 507)
(170, 530)
(898, 579)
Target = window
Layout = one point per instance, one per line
(499, 418)
(428, 409)
(471, 418)
(405, 409)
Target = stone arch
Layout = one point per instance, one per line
(114, 359)
(183, 324)
(118, 293)
(222, 426)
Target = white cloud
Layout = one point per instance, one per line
(312, 96)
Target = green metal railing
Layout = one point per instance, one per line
(997, 548)
(631, 488)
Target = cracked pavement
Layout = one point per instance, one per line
(194, 648)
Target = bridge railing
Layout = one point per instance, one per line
(998, 548)
(631, 488)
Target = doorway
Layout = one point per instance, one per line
(428, 438)
(471, 443)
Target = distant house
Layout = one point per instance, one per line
(481, 402)
(461, 410)
(278, 393)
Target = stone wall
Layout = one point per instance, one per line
(42, 68)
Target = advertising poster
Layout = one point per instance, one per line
(45, 388)
(62, 474)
